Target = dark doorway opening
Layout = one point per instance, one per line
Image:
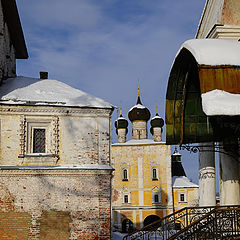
(127, 226)
(150, 219)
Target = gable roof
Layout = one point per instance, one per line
(12, 19)
(35, 91)
(183, 182)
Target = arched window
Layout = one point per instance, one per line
(154, 174)
(156, 195)
(125, 175)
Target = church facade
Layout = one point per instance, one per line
(143, 187)
(55, 166)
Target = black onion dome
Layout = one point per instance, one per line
(121, 122)
(157, 121)
(139, 112)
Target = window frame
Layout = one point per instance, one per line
(184, 194)
(27, 126)
(34, 138)
(156, 191)
(124, 177)
(125, 197)
(154, 178)
(128, 195)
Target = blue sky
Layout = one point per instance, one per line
(104, 47)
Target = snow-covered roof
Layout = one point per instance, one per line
(214, 52)
(219, 102)
(140, 106)
(156, 117)
(139, 142)
(34, 91)
(183, 182)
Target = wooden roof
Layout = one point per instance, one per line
(185, 120)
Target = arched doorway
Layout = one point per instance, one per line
(150, 219)
(127, 226)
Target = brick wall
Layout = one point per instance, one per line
(61, 205)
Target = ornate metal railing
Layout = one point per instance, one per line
(192, 221)
(220, 223)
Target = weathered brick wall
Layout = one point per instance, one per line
(7, 52)
(69, 199)
(41, 204)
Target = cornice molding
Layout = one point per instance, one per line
(225, 32)
(48, 110)
(53, 172)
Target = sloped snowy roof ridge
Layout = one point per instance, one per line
(214, 52)
(33, 91)
(183, 182)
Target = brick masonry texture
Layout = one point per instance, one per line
(55, 207)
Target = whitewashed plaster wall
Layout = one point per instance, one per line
(77, 136)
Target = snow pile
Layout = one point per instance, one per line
(118, 236)
(156, 117)
(214, 51)
(33, 91)
(219, 102)
(140, 106)
(139, 142)
(182, 182)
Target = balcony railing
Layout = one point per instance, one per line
(193, 223)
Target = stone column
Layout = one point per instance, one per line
(229, 179)
(207, 182)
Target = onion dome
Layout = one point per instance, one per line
(121, 122)
(139, 112)
(156, 121)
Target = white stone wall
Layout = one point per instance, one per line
(75, 136)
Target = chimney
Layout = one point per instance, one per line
(43, 75)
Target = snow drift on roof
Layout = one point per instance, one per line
(183, 182)
(140, 106)
(34, 91)
(219, 102)
(214, 52)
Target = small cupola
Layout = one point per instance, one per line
(177, 167)
(156, 127)
(139, 115)
(121, 125)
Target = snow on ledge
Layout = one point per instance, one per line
(214, 52)
(60, 167)
(219, 102)
(139, 142)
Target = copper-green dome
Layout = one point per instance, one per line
(139, 112)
